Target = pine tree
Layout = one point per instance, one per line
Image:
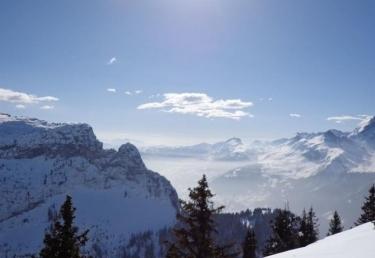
(308, 231)
(63, 240)
(249, 245)
(335, 225)
(172, 252)
(368, 208)
(312, 227)
(284, 233)
(303, 230)
(194, 233)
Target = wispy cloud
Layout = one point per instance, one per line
(265, 99)
(200, 104)
(295, 115)
(135, 92)
(47, 107)
(343, 118)
(112, 60)
(20, 106)
(22, 99)
(111, 90)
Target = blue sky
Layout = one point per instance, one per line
(245, 66)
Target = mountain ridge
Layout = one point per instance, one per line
(40, 162)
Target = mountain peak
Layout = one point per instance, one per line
(366, 129)
(334, 134)
(366, 124)
(234, 141)
(130, 155)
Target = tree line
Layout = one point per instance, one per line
(193, 235)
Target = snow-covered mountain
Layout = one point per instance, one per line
(329, 170)
(309, 154)
(312, 151)
(354, 243)
(113, 191)
(232, 149)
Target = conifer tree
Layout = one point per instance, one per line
(303, 230)
(368, 208)
(335, 225)
(194, 233)
(308, 231)
(63, 240)
(312, 227)
(249, 245)
(172, 252)
(284, 233)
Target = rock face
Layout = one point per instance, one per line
(113, 191)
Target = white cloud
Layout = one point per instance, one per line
(343, 118)
(270, 99)
(11, 96)
(20, 106)
(112, 60)
(200, 104)
(295, 115)
(135, 92)
(47, 107)
(111, 90)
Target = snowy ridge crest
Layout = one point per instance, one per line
(28, 137)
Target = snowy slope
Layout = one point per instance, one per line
(308, 154)
(113, 191)
(354, 243)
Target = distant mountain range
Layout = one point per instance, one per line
(115, 194)
(303, 155)
(329, 170)
(230, 150)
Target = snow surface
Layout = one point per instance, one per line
(358, 242)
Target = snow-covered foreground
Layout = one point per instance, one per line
(358, 242)
(110, 217)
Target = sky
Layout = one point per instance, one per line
(179, 72)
